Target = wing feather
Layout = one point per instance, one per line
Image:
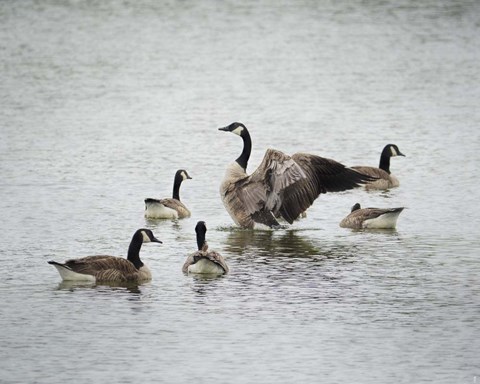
(372, 171)
(188, 262)
(322, 175)
(103, 267)
(213, 256)
(171, 203)
(217, 259)
(262, 189)
(177, 205)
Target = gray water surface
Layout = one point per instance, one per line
(103, 101)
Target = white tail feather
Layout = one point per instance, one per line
(68, 275)
(387, 220)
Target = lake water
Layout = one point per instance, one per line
(102, 101)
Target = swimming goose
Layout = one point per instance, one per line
(203, 260)
(385, 179)
(110, 268)
(169, 208)
(378, 218)
(282, 186)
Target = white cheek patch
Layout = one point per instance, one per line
(184, 176)
(146, 239)
(238, 131)
(393, 151)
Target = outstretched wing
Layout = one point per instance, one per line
(372, 171)
(261, 191)
(322, 175)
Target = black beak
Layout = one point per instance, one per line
(188, 177)
(223, 129)
(155, 240)
(401, 154)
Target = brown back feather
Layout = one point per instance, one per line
(213, 256)
(177, 205)
(104, 268)
(372, 171)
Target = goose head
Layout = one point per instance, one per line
(237, 128)
(142, 235)
(355, 207)
(392, 150)
(201, 230)
(242, 131)
(147, 236)
(182, 175)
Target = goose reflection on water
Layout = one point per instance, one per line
(286, 243)
(72, 286)
(278, 267)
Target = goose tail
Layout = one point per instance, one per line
(67, 274)
(59, 265)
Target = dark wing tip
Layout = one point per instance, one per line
(323, 176)
(360, 178)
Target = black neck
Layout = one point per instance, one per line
(200, 239)
(385, 160)
(134, 250)
(176, 186)
(247, 149)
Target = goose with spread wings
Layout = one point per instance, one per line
(282, 186)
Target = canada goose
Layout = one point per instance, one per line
(282, 186)
(203, 260)
(110, 268)
(385, 179)
(169, 208)
(378, 218)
